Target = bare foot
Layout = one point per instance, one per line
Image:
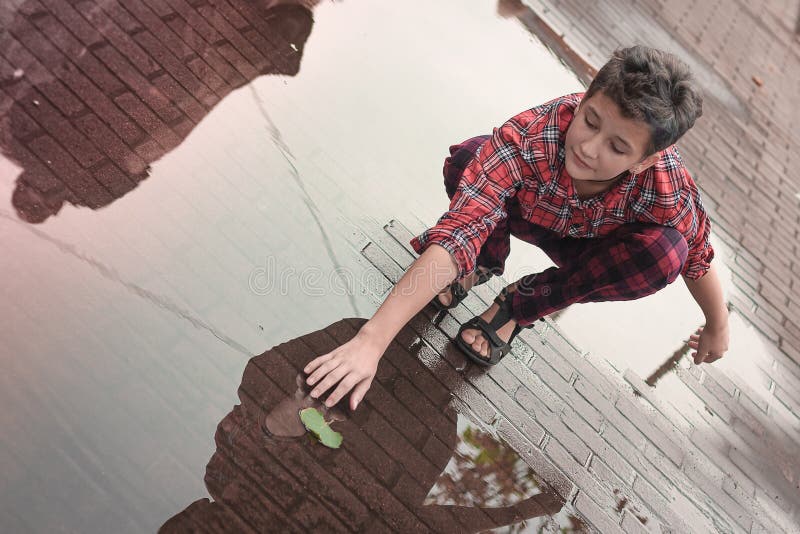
(476, 338)
(446, 296)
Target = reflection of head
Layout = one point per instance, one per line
(30, 205)
(91, 158)
(395, 446)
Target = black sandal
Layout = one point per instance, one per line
(497, 347)
(459, 293)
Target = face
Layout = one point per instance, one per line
(601, 143)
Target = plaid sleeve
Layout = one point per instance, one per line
(695, 225)
(493, 176)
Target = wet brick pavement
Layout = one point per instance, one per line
(718, 464)
(98, 92)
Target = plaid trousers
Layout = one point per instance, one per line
(634, 261)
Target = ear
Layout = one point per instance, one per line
(645, 164)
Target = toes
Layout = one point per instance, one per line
(469, 336)
(476, 340)
(481, 346)
(444, 297)
(476, 345)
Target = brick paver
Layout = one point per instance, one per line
(629, 439)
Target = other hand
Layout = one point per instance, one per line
(351, 365)
(709, 343)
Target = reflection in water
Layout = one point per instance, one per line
(404, 464)
(283, 421)
(668, 365)
(483, 472)
(672, 361)
(138, 109)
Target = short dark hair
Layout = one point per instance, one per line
(652, 86)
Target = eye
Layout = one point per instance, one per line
(589, 124)
(615, 149)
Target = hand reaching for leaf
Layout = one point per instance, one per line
(351, 365)
(709, 343)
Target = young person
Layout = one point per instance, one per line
(594, 180)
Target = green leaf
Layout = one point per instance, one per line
(315, 423)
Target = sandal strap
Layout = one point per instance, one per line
(458, 292)
(503, 314)
(483, 276)
(497, 347)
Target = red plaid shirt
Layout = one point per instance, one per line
(525, 159)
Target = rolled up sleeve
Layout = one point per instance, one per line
(695, 226)
(491, 178)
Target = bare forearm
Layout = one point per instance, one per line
(707, 291)
(434, 270)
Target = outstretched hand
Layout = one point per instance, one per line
(709, 343)
(351, 365)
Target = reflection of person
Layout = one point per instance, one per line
(593, 179)
(88, 133)
(267, 475)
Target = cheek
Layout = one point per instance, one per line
(574, 136)
(568, 138)
(617, 164)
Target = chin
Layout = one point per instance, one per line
(576, 172)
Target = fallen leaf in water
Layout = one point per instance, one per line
(315, 423)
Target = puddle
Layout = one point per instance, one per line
(405, 463)
(165, 231)
(142, 228)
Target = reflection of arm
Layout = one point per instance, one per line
(488, 518)
(479, 204)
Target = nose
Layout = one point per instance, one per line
(589, 148)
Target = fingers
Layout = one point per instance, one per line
(701, 353)
(326, 367)
(342, 389)
(359, 391)
(708, 357)
(332, 377)
(316, 362)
